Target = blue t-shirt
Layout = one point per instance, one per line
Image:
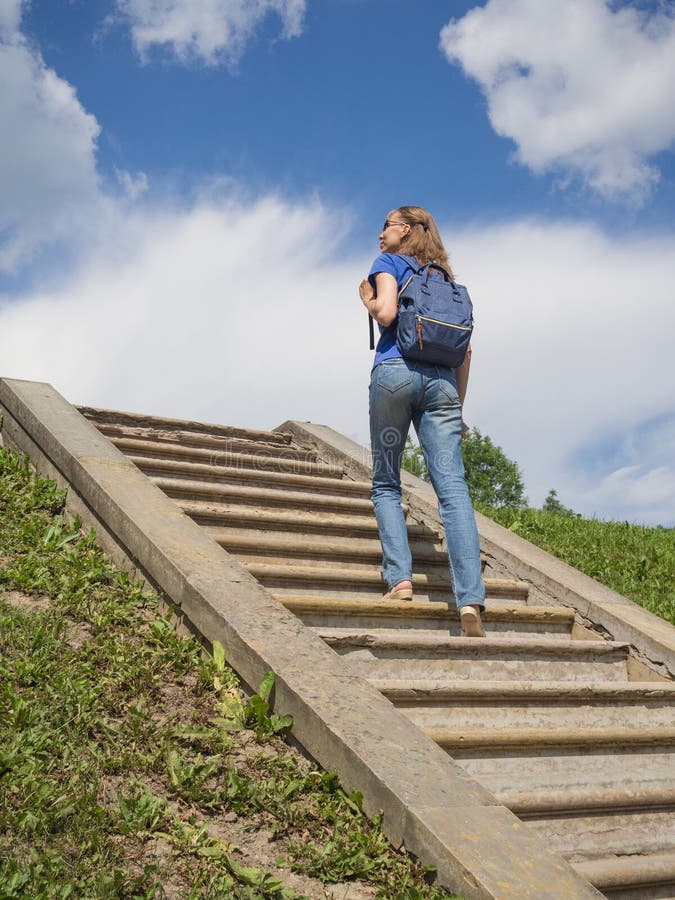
(401, 269)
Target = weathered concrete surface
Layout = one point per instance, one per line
(430, 804)
(623, 620)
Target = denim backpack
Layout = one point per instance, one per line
(435, 317)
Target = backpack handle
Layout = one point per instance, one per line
(417, 269)
(444, 272)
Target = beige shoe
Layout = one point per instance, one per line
(472, 626)
(399, 594)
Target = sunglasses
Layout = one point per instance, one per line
(387, 223)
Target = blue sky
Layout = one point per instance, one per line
(153, 146)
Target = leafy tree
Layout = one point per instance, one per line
(492, 478)
(553, 505)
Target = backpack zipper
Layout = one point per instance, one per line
(421, 319)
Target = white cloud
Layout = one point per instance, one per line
(10, 16)
(573, 347)
(649, 494)
(582, 87)
(212, 31)
(175, 314)
(132, 185)
(48, 178)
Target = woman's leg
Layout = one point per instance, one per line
(438, 423)
(391, 386)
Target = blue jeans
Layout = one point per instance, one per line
(402, 392)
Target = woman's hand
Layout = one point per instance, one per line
(366, 293)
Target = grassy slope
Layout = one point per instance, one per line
(131, 765)
(637, 562)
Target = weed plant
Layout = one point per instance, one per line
(131, 763)
(636, 561)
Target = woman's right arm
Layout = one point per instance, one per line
(382, 303)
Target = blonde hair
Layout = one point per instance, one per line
(423, 241)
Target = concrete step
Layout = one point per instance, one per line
(189, 471)
(103, 418)
(629, 796)
(501, 616)
(527, 705)
(522, 770)
(233, 444)
(593, 836)
(281, 549)
(263, 498)
(206, 447)
(632, 877)
(345, 549)
(279, 462)
(535, 739)
(234, 517)
(491, 658)
(362, 581)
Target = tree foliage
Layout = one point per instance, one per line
(492, 478)
(553, 505)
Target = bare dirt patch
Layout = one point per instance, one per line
(26, 602)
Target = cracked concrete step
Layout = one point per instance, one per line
(501, 616)
(211, 449)
(589, 836)
(505, 770)
(172, 468)
(277, 496)
(491, 658)
(632, 877)
(108, 417)
(233, 516)
(233, 444)
(178, 452)
(530, 705)
(366, 580)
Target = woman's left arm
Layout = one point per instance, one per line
(381, 303)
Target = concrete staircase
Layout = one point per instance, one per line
(565, 727)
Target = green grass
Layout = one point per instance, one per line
(131, 763)
(636, 561)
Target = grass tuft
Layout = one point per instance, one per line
(636, 561)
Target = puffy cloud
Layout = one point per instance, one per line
(176, 314)
(582, 87)
(212, 31)
(48, 179)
